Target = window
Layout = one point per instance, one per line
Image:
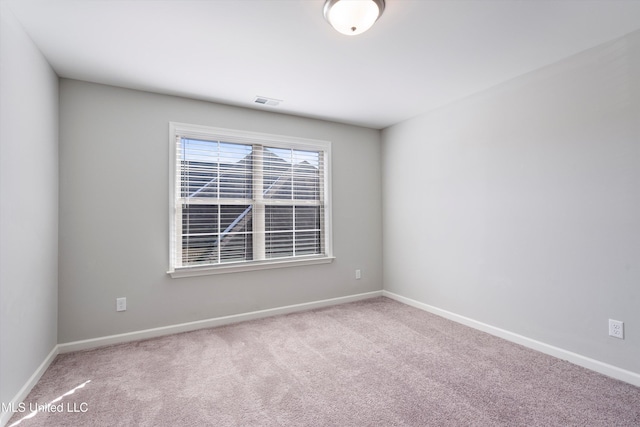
(243, 201)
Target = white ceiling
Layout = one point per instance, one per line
(420, 55)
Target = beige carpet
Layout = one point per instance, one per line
(370, 363)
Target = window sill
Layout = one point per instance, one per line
(237, 268)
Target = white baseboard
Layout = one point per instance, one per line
(208, 323)
(575, 358)
(586, 362)
(24, 391)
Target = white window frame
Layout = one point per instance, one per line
(178, 130)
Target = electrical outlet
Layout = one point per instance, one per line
(616, 329)
(358, 274)
(121, 304)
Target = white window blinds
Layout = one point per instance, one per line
(247, 198)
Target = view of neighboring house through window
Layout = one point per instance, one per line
(244, 198)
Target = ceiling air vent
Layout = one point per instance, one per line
(267, 101)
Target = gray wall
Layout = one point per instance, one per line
(114, 221)
(28, 208)
(519, 207)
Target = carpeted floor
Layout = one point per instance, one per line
(370, 363)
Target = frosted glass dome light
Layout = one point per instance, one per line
(353, 17)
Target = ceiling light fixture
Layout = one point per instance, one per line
(353, 17)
